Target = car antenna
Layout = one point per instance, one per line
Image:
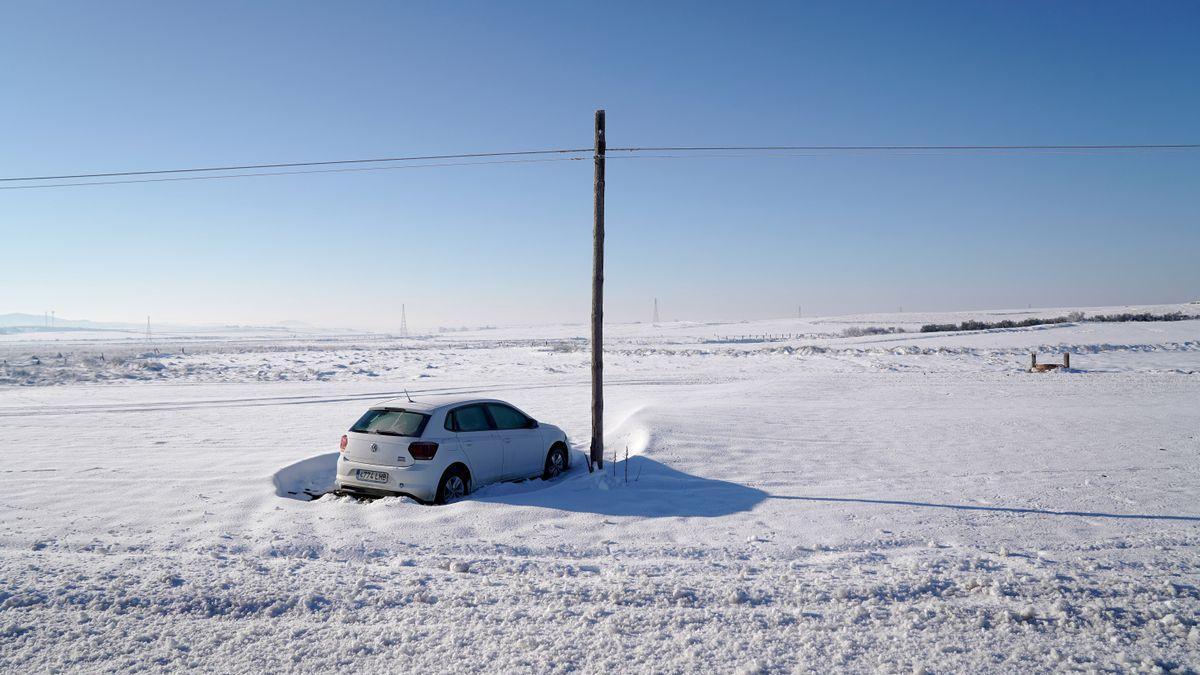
(409, 397)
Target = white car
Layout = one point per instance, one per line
(439, 452)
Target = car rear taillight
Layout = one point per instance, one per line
(422, 450)
(342, 445)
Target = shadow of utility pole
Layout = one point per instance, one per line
(1000, 509)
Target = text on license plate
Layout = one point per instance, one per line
(371, 476)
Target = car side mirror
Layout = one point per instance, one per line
(532, 424)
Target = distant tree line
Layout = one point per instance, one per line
(1073, 317)
(861, 331)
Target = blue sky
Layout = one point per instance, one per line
(118, 85)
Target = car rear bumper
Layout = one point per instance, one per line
(419, 480)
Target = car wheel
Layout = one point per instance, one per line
(454, 486)
(556, 463)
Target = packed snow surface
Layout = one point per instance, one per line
(792, 501)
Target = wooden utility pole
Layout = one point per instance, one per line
(597, 449)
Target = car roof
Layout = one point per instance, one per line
(428, 404)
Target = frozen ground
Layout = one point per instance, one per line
(897, 503)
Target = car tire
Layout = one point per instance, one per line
(556, 463)
(455, 485)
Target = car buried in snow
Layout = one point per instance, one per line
(440, 451)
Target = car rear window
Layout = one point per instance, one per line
(391, 423)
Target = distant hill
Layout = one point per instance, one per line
(18, 319)
(20, 322)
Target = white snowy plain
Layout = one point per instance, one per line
(889, 503)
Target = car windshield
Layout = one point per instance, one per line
(391, 423)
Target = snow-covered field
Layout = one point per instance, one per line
(898, 503)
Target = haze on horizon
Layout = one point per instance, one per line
(128, 86)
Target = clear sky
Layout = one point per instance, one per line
(91, 86)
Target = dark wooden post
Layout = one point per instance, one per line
(1067, 360)
(1032, 360)
(597, 450)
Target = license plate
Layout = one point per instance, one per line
(371, 476)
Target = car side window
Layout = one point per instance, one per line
(470, 418)
(507, 418)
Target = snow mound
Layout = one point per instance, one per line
(307, 478)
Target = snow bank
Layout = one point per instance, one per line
(308, 478)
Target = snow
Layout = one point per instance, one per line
(909, 502)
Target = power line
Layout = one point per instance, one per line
(713, 148)
(287, 173)
(296, 164)
(892, 148)
(632, 153)
(783, 154)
